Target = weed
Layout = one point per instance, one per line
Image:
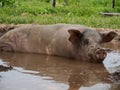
(77, 12)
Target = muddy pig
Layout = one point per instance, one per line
(66, 40)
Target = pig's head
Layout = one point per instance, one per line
(86, 44)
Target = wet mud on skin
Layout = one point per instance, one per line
(41, 72)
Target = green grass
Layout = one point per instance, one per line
(84, 12)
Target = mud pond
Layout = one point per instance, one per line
(41, 72)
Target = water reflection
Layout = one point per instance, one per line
(40, 72)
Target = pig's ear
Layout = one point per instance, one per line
(107, 37)
(75, 36)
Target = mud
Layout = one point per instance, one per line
(5, 68)
(40, 72)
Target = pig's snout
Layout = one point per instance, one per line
(100, 54)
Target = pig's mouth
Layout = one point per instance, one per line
(5, 47)
(98, 57)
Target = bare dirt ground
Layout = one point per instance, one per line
(117, 38)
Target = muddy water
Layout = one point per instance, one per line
(40, 72)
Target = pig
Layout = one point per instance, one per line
(64, 40)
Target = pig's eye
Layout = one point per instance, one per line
(86, 41)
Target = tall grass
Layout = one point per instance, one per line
(77, 12)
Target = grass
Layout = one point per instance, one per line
(84, 12)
